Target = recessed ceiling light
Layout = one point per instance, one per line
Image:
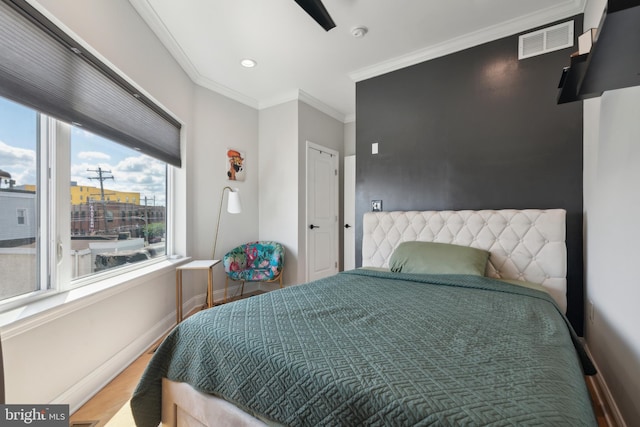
(248, 63)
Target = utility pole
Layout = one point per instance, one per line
(101, 177)
(146, 222)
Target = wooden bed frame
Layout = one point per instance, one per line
(524, 245)
(184, 406)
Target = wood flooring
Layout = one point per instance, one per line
(113, 398)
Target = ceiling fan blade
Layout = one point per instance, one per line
(317, 11)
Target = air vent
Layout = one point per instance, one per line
(546, 40)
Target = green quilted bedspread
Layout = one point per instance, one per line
(377, 348)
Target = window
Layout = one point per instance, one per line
(107, 169)
(22, 216)
(19, 242)
(98, 240)
(121, 143)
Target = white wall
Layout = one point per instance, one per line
(284, 131)
(350, 139)
(319, 128)
(219, 124)
(612, 203)
(66, 357)
(278, 170)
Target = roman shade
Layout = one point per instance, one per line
(44, 68)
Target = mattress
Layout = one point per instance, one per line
(379, 348)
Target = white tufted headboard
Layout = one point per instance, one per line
(524, 244)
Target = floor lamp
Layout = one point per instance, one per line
(233, 207)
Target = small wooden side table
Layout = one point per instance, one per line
(194, 265)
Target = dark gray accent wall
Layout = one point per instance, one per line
(477, 129)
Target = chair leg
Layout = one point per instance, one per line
(226, 283)
(242, 289)
(280, 280)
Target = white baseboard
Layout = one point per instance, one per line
(86, 388)
(611, 411)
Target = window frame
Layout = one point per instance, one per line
(55, 287)
(23, 217)
(53, 240)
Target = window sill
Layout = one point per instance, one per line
(35, 313)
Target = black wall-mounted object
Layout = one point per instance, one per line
(614, 60)
(318, 12)
(571, 79)
(618, 5)
(477, 129)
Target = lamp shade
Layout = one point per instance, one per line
(233, 202)
(233, 207)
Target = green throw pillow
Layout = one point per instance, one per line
(438, 258)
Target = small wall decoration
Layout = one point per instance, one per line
(235, 165)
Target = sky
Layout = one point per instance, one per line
(132, 171)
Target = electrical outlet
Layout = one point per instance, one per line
(376, 206)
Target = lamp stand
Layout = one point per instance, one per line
(215, 240)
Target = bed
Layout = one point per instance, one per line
(455, 318)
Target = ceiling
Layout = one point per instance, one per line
(297, 59)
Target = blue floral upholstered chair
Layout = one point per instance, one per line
(254, 262)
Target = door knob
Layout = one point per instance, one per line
(347, 226)
(314, 226)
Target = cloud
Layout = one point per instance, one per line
(141, 174)
(10, 154)
(93, 155)
(134, 164)
(135, 173)
(19, 162)
(82, 133)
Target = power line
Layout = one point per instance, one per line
(102, 178)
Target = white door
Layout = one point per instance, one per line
(349, 257)
(322, 212)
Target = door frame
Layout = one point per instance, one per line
(349, 213)
(336, 183)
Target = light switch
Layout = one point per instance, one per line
(374, 148)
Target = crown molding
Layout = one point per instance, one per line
(495, 32)
(292, 95)
(149, 15)
(226, 91)
(504, 29)
(300, 95)
(321, 106)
